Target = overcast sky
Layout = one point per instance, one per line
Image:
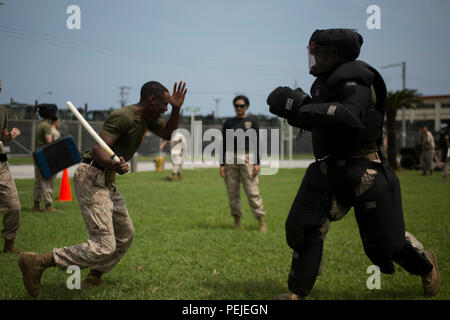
(219, 48)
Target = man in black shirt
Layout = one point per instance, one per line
(240, 162)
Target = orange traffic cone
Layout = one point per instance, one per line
(64, 193)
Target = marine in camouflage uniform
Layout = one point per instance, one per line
(43, 188)
(178, 146)
(104, 211)
(242, 167)
(9, 199)
(427, 151)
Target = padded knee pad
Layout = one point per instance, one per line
(306, 262)
(379, 216)
(310, 206)
(386, 266)
(412, 260)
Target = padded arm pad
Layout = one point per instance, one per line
(326, 117)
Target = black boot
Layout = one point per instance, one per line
(9, 247)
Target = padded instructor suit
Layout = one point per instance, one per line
(345, 115)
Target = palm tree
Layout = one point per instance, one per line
(395, 100)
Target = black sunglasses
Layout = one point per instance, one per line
(240, 105)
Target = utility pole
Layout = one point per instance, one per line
(36, 102)
(217, 100)
(194, 134)
(123, 94)
(403, 65)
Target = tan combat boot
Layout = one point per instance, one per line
(32, 266)
(171, 177)
(431, 282)
(179, 177)
(37, 206)
(290, 296)
(93, 279)
(262, 224)
(9, 247)
(50, 208)
(237, 223)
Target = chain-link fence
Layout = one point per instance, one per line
(301, 142)
(23, 145)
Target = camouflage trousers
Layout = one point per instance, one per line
(234, 175)
(43, 188)
(176, 167)
(9, 203)
(107, 220)
(427, 160)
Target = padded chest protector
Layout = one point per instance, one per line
(320, 93)
(329, 89)
(366, 75)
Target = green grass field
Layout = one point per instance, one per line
(185, 248)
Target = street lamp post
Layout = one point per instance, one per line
(217, 100)
(403, 65)
(36, 102)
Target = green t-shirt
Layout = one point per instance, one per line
(42, 129)
(127, 129)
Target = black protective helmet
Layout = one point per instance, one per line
(332, 47)
(48, 111)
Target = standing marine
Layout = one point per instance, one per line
(9, 199)
(240, 163)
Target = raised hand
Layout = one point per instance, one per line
(178, 94)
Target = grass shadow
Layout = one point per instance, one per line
(227, 225)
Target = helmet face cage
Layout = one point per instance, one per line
(321, 58)
(311, 57)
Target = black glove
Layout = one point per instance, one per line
(284, 102)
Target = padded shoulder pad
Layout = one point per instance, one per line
(380, 88)
(353, 70)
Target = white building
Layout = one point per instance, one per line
(434, 111)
